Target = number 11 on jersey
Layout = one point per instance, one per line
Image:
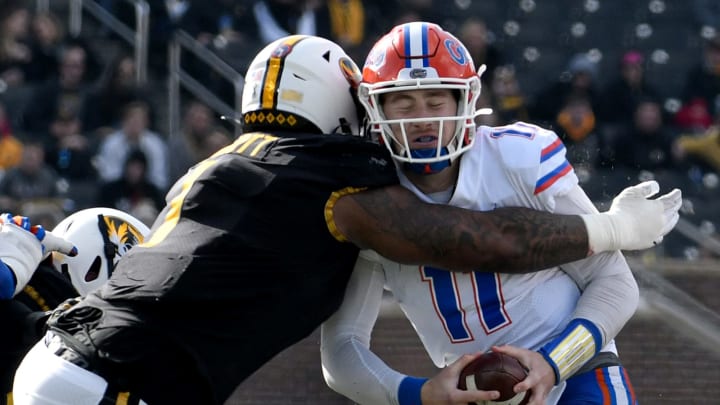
(488, 301)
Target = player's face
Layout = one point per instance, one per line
(422, 104)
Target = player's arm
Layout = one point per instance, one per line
(353, 370)
(609, 299)
(396, 224)
(21, 249)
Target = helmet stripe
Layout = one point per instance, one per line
(408, 50)
(273, 71)
(416, 44)
(425, 61)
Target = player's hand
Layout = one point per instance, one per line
(48, 241)
(540, 378)
(634, 221)
(442, 389)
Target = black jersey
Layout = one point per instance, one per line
(22, 319)
(242, 262)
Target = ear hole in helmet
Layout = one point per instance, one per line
(94, 270)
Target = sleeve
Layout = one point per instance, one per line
(21, 253)
(609, 298)
(535, 161)
(110, 159)
(555, 175)
(349, 366)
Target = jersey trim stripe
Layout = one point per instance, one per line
(628, 386)
(551, 150)
(549, 179)
(603, 386)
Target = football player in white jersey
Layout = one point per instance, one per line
(420, 91)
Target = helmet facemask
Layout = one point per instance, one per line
(397, 140)
(421, 56)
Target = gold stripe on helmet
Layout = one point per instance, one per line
(274, 69)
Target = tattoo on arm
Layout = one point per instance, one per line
(512, 240)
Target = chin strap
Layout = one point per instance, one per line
(428, 168)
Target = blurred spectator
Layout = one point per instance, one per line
(10, 147)
(47, 212)
(133, 134)
(204, 21)
(580, 80)
(68, 151)
(645, 144)
(32, 179)
(575, 124)
(164, 17)
(619, 97)
(418, 10)
(509, 102)
(703, 80)
(701, 149)
(46, 39)
(117, 87)
(15, 54)
(693, 116)
(61, 95)
(474, 34)
(346, 22)
(199, 138)
(133, 192)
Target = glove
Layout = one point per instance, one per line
(22, 247)
(634, 221)
(49, 242)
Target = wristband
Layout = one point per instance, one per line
(577, 344)
(410, 391)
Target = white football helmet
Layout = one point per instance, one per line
(421, 55)
(300, 80)
(102, 236)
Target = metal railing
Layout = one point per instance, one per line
(137, 37)
(179, 77)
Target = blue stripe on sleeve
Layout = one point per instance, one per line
(7, 282)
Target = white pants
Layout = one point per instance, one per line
(46, 379)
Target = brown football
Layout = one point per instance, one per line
(495, 371)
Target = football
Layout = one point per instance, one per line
(495, 371)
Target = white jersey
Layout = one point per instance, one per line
(457, 313)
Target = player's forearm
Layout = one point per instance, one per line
(397, 225)
(612, 296)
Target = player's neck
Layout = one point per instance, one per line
(434, 183)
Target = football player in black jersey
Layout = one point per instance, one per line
(256, 244)
(76, 262)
